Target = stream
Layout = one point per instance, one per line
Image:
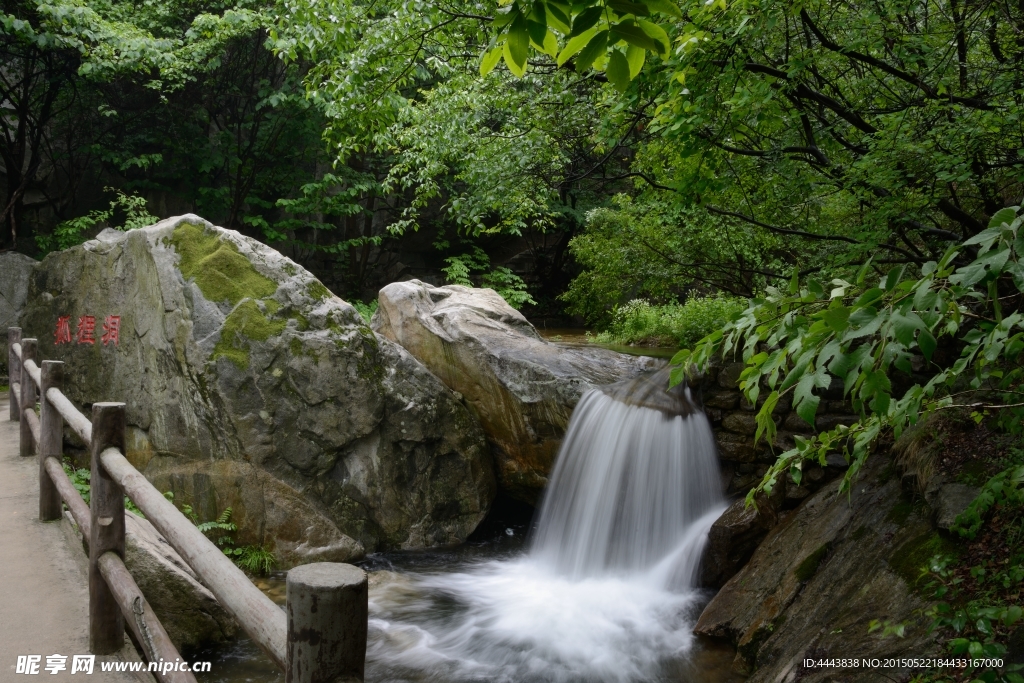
(604, 588)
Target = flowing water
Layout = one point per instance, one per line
(606, 590)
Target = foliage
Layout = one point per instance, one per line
(1003, 489)
(366, 310)
(650, 248)
(255, 559)
(252, 558)
(850, 129)
(80, 479)
(679, 325)
(461, 270)
(797, 342)
(74, 231)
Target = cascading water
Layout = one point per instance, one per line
(607, 590)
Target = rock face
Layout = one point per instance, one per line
(522, 388)
(15, 269)
(249, 385)
(822, 574)
(186, 608)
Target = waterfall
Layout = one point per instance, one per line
(607, 592)
(629, 484)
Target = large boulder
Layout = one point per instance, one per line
(522, 388)
(249, 385)
(822, 575)
(15, 269)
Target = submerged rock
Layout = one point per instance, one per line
(522, 388)
(249, 385)
(822, 575)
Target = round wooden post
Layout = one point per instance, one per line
(27, 400)
(327, 610)
(13, 369)
(106, 507)
(51, 439)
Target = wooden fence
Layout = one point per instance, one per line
(319, 637)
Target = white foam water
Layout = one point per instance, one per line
(608, 589)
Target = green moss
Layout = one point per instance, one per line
(810, 565)
(219, 270)
(912, 558)
(271, 306)
(295, 346)
(859, 533)
(900, 511)
(289, 269)
(317, 291)
(303, 323)
(245, 323)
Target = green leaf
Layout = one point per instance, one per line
(510, 61)
(635, 56)
(559, 20)
(625, 7)
(618, 70)
(893, 278)
(537, 31)
(1002, 216)
(592, 51)
(585, 20)
(837, 318)
(904, 327)
(490, 60)
(574, 45)
(665, 7)
(927, 343)
(517, 46)
(658, 34)
(634, 35)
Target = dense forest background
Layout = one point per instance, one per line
(602, 152)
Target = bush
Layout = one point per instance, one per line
(641, 323)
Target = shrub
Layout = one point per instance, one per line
(641, 323)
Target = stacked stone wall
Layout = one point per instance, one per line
(733, 421)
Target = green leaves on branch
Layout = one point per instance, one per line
(609, 36)
(800, 341)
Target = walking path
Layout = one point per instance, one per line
(44, 596)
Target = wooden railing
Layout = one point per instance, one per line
(321, 635)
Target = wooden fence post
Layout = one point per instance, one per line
(106, 507)
(327, 611)
(27, 400)
(51, 439)
(13, 369)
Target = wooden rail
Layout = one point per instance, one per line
(311, 645)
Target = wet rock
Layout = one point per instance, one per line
(522, 388)
(249, 385)
(734, 537)
(949, 501)
(740, 423)
(819, 577)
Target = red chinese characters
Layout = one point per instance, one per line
(111, 330)
(86, 330)
(62, 335)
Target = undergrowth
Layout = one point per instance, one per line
(256, 559)
(678, 325)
